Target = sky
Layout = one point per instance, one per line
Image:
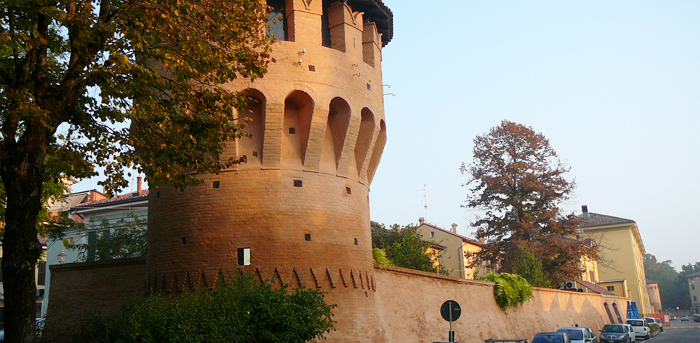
(613, 85)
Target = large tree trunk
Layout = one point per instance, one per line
(22, 178)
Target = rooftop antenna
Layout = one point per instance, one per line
(425, 201)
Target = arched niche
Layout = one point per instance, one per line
(253, 117)
(298, 111)
(364, 138)
(336, 130)
(377, 151)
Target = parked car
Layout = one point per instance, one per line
(641, 328)
(551, 337)
(614, 333)
(630, 330)
(579, 335)
(39, 329)
(685, 318)
(660, 323)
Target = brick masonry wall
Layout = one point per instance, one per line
(402, 305)
(102, 286)
(408, 305)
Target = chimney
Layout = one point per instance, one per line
(454, 228)
(585, 212)
(138, 185)
(421, 220)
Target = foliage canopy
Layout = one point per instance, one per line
(113, 84)
(673, 285)
(518, 182)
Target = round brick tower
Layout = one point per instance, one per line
(298, 210)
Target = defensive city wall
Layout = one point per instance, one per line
(298, 209)
(407, 302)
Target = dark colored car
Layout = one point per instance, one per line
(551, 337)
(614, 333)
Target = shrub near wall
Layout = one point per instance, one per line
(242, 310)
(510, 289)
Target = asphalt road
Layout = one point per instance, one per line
(679, 332)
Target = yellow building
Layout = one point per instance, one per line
(621, 253)
(619, 287)
(454, 255)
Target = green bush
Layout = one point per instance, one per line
(242, 310)
(509, 289)
(379, 256)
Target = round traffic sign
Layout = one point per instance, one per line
(450, 310)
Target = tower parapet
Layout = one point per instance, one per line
(298, 209)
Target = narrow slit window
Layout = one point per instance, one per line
(243, 256)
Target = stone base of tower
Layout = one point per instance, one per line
(400, 305)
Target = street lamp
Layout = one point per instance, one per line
(62, 257)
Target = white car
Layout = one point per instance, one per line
(641, 328)
(633, 336)
(579, 335)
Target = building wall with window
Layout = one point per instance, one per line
(619, 287)
(621, 252)
(694, 289)
(89, 211)
(454, 257)
(654, 296)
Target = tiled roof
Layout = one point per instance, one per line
(595, 219)
(693, 274)
(595, 288)
(117, 199)
(464, 238)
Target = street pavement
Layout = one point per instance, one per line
(679, 332)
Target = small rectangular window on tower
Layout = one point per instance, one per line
(432, 234)
(243, 256)
(348, 190)
(307, 236)
(298, 183)
(292, 131)
(215, 184)
(357, 242)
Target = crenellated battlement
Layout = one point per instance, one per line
(297, 210)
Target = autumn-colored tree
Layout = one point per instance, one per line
(518, 182)
(84, 84)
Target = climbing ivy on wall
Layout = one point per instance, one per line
(510, 289)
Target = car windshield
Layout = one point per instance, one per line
(635, 322)
(573, 334)
(613, 328)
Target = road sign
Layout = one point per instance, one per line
(450, 310)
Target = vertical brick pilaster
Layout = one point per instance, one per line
(272, 146)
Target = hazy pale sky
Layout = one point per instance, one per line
(613, 85)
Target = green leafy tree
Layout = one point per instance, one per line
(531, 269)
(123, 238)
(88, 83)
(404, 247)
(518, 182)
(240, 310)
